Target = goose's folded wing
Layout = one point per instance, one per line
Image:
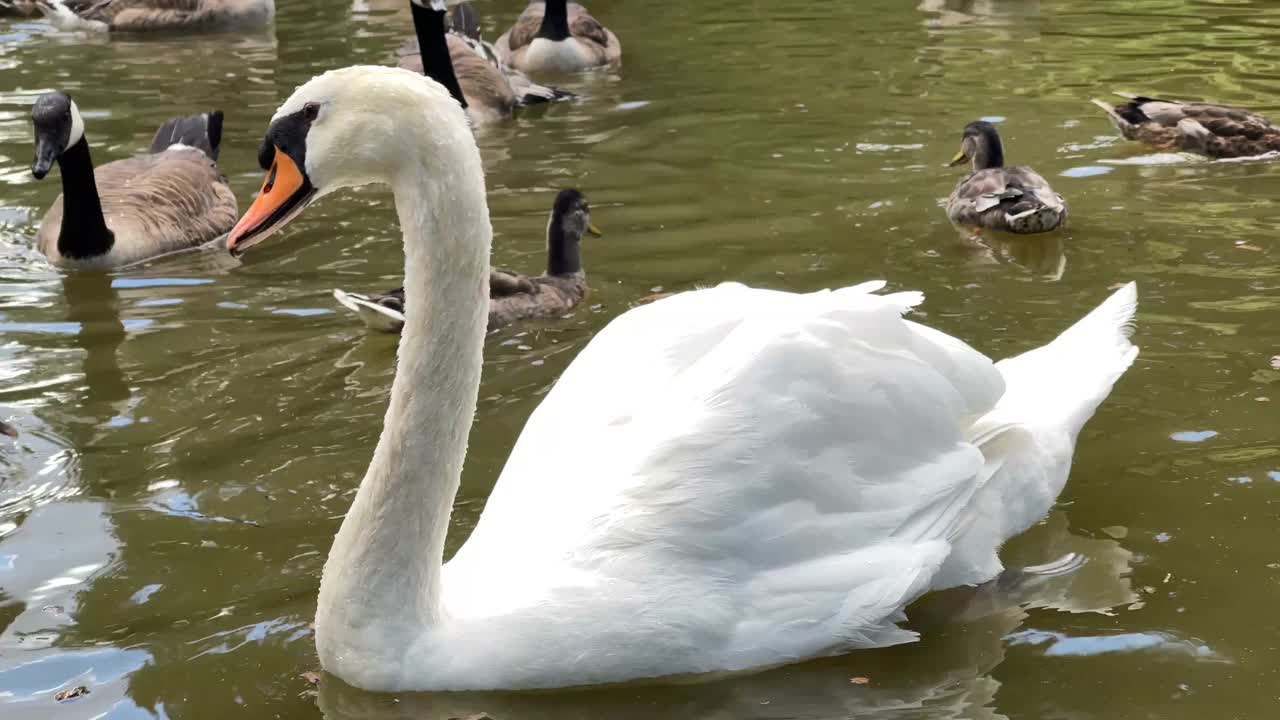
(168, 200)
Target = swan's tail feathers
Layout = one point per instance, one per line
(203, 131)
(1064, 382)
(1106, 330)
(374, 314)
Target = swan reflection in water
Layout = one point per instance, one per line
(945, 675)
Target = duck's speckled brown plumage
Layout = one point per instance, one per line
(1014, 199)
(553, 296)
(513, 297)
(994, 197)
(1217, 131)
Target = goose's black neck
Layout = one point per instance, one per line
(564, 250)
(555, 20)
(84, 232)
(428, 24)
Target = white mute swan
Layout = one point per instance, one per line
(724, 479)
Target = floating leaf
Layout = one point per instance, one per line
(860, 681)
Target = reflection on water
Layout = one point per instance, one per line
(192, 429)
(947, 675)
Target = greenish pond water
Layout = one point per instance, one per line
(193, 430)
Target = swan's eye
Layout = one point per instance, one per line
(311, 111)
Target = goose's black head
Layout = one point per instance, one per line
(58, 126)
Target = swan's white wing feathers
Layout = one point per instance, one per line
(747, 447)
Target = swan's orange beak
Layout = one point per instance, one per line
(286, 191)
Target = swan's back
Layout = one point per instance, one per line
(775, 473)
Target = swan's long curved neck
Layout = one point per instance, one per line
(84, 232)
(381, 587)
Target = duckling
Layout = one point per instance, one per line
(466, 66)
(170, 199)
(1217, 131)
(558, 36)
(995, 197)
(152, 15)
(512, 296)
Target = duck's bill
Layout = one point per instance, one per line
(286, 191)
(959, 158)
(594, 231)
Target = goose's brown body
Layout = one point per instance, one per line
(154, 204)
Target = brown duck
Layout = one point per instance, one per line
(1217, 131)
(994, 197)
(512, 297)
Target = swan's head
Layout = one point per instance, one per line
(58, 126)
(345, 128)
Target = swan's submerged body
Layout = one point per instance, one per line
(724, 479)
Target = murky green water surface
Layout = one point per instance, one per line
(193, 430)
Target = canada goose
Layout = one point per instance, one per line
(725, 479)
(18, 8)
(1217, 131)
(153, 15)
(170, 199)
(558, 36)
(995, 197)
(512, 296)
(488, 89)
